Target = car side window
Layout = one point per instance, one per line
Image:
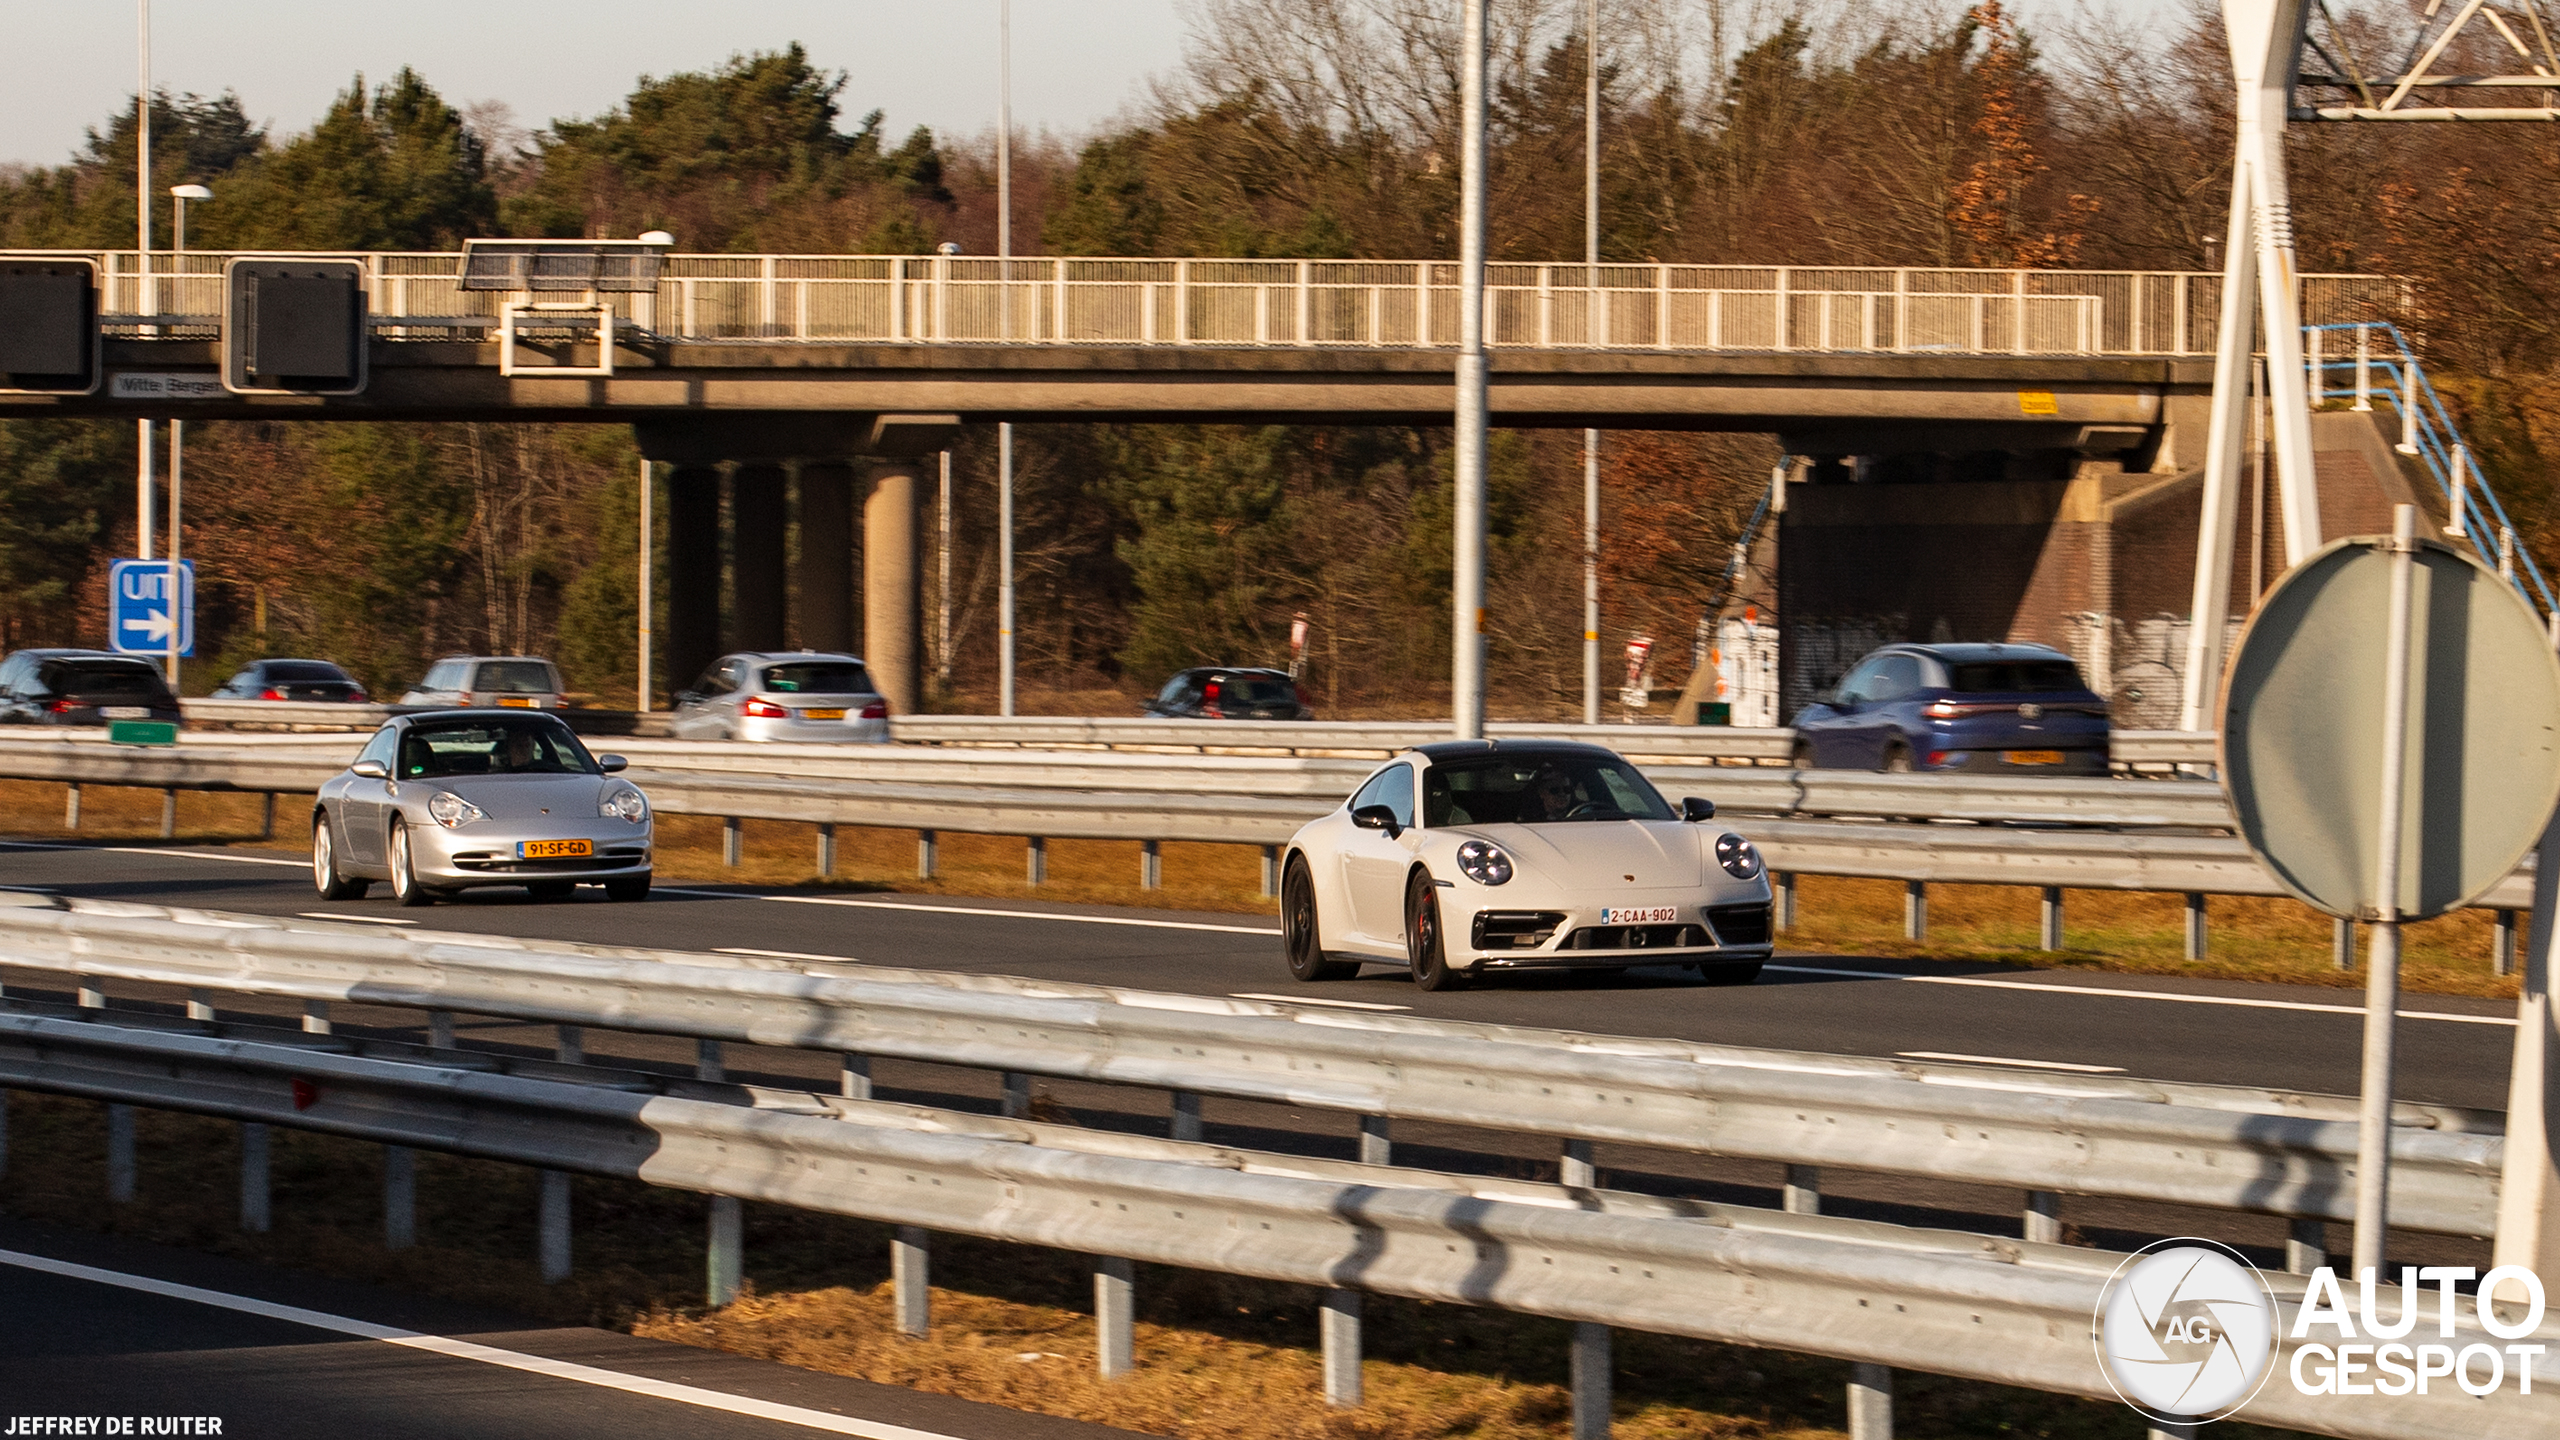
(1173, 690)
(1391, 787)
(380, 746)
(1861, 680)
(1898, 676)
(11, 671)
(733, 676)
(443, 675)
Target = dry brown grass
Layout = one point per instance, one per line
(2106, 930)
(1217, 1356)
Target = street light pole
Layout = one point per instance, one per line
(1004, 304)
(179, 195)
(144, 303)
(1466, 666)
(1591, 318)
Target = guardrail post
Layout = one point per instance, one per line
(267, 816)
(1150, 865)
(440, 1029)
(1786, 885)
(1870, 1402)
(725, 1260)
(710, 1061)
(71, 807)
(1915, 910)
(1017, 1095)
(731, 840)
(1338, 1323)
(315, 1017)
(924, 855)
(1575, 1168)
(1270, 871)
(1035, 860)
(169, 814)
(910, 1294)
(554, 1243)
(571, 1047)
(399, 1197)
(91, 994)
(1375, 1148)
(1591, 1377)
(1186, 1115)
(2041, 1222)
(257, 1188)
(854, 1081)
(2195, 926)
(2306, 1245)
(826, 850)
(2049, 921)
(1800, 1193)
(200, 1005)
(2342, 943)
(1115, 1305)
(120, 1153)
(2502, 947)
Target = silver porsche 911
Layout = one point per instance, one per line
(1467, 857)
(452, 799)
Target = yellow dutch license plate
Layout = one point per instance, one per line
(2032, 757)
(511, 702)
(553, 849)
(822, 714)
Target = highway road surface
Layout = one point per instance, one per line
(95, 1329)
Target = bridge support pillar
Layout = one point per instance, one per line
(892, 594)
(256, 1191)
(910, 1292)
(693, 572)
(759, 521)
(826, 556)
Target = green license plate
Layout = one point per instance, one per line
(142, 732)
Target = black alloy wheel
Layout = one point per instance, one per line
(1424, 945)
(1300, 934)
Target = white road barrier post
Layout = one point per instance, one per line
(1786, 885)
(315, 1017)
(554, 1243)
(2040, 1223)
(1592, 1376)
(1186, 1115)
(910, 1292)
(854, 1081)
(2195, 926)
(1017, 1095)
(169, 814)
(1375, 1147)
(1150, 865)
(1800, 1193)
(2502, 944)
(120, 1153)
(257, 1186)
(1915, 910)
(826, 851)
(725, 1260)
(1115, 1307)
(1338, 1322)
(732, 840)
(1035, 860)
(1577, 1170)
(925, 854)
(710, 1061)
(2049, 919)
(200, 1005)
(71, 807)
(1270, 871)
(399, 1197)
(1870, 1402)
(2342, 943)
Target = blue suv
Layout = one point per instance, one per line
(1968, 709)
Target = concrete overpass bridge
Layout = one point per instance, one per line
(847, 371)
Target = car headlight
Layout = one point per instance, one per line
(624, 804)
(1737, 855)
(451, 809)
(1484, 863)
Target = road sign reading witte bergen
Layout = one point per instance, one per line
(140, 612)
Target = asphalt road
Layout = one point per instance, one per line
(94, 1328)
(2452, 1050)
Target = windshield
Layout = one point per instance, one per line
(820, 678)
(304, 672)
(492, 747)
(1537, 790)
(515, 677)
(1257, 690)
(2014, 677)
(106, 682)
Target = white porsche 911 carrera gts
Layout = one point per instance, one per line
(1470, 856)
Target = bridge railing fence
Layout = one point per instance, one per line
(1365, 304)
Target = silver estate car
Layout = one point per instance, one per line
(451, 799)
(801, 695)
(506, 682)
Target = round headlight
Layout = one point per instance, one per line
(624, 804)
(451, 809)
(1739, 859)
(1484, 863)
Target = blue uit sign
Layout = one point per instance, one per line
(142, 609)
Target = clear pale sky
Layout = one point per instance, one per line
(929, 62)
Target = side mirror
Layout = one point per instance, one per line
(615, 765)
(1377, 817)
(371, 769)
(1693, 809)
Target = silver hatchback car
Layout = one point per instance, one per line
(800, 695)
(454, 799)
(506, 682)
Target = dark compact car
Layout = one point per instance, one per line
(82, 687)
(292, 680)
(1221, 693)
(1967, 709)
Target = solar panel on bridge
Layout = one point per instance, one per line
(608, 267)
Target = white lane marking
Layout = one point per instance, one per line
(2232, 1000)
(1310, 1000)
(975, 910)
(785, 955)
(148, 850)
(350, 919)
(2018, 1064)
(482, 1354)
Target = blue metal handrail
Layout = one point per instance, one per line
(2428, 432)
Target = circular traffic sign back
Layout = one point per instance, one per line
(2302, 729)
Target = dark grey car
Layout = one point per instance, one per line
(82, 687)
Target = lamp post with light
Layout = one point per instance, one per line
(179, 195)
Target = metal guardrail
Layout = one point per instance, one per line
(2000, 1311)
(1375, 304)
(2223, 1147)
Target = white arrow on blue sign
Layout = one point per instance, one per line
(141, 611)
